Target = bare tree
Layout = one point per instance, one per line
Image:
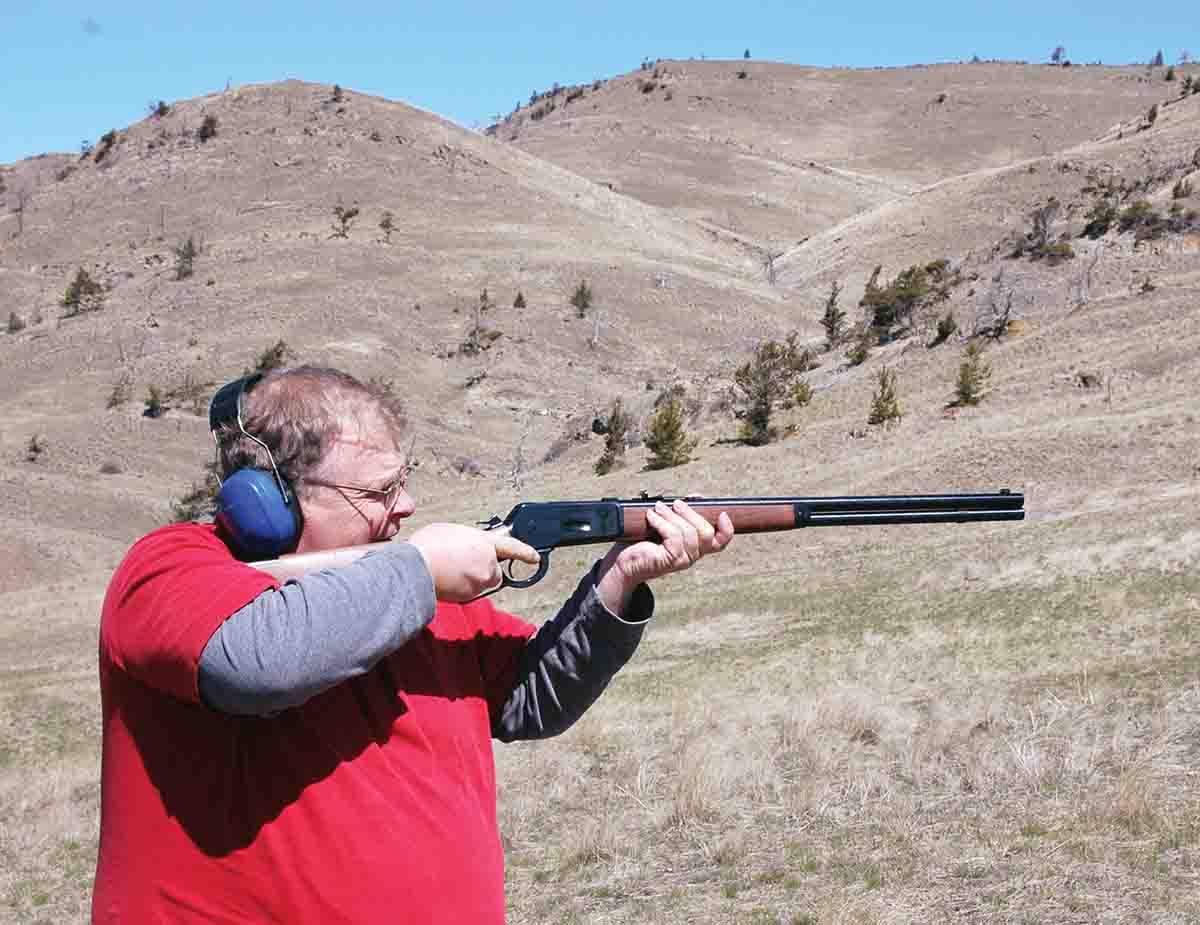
(768, 261)
(1083, 287)
(1056, 56)
(993, 318)
(21, 195)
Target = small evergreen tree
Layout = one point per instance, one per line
(208, 128)
(519, 301)
(84, 294)
(834, 319)
(973, 375)
(616, 431)
(582, 298)
(667, 440)
(154, 402)
(35, 448)
(185, 255)
(860, 349)
(885, 406)
(387, 225)
(769, 379)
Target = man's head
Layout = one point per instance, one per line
(335, 442)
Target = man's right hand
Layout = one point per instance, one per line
(465, 561)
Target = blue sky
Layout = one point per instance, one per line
(71, 71)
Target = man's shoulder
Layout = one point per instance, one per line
(200, 537)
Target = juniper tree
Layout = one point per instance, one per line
(767, 380)
(973, 375)
(667, 439)
(615, 434)
(83, 294)
(582, 298)
(885, 406)
(185, 255)
(834, 319)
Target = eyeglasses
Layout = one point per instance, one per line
(389, 494)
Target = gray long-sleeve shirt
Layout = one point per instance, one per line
(286, 646)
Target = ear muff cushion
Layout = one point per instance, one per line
(254, 515)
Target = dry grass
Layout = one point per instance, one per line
(991, 724)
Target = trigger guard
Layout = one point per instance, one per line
(508, 581)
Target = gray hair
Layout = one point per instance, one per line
(299, 413)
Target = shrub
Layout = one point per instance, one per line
(834, 319)
(1170, 75)
(107, 141)
(343, 219)
(885, 406)
(1100, 217)
(1056, 253)
(947, 327)
(973, 375)
(1141, 218)
(616, 430)
(121, 391)
(35, 448)
(83, 294)
(185, 254)
(109, 467)
(387, 225)
(767, 381)
(208, 128)
(581, 298)
(337, 96)
(895, 303)
(158, 109)
(864, 340)
(273, 357)
(200, 502)
(15, 323)
(667, 440)
(154, 403)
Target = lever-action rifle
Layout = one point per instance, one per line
(549, 525)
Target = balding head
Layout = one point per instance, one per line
(300, 413)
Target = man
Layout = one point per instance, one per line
(319, 751)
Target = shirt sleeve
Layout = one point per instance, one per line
(168, 596)
(567, 664)
(285, 647)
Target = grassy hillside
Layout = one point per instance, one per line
(994, 723)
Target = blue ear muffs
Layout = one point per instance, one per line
(254, 514)
(256, 509)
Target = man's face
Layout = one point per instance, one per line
(345, 504)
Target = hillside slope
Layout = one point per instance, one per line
(778, 152)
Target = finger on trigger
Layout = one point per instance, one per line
(508, 547)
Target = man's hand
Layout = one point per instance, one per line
(465, 561)
(686, 537)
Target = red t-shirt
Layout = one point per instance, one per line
(375, 801)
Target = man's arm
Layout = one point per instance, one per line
(287, 646)
(568, 663)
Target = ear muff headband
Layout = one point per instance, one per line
(257, 509)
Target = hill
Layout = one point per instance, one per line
(993, 722)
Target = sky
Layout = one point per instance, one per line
(71, 71)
